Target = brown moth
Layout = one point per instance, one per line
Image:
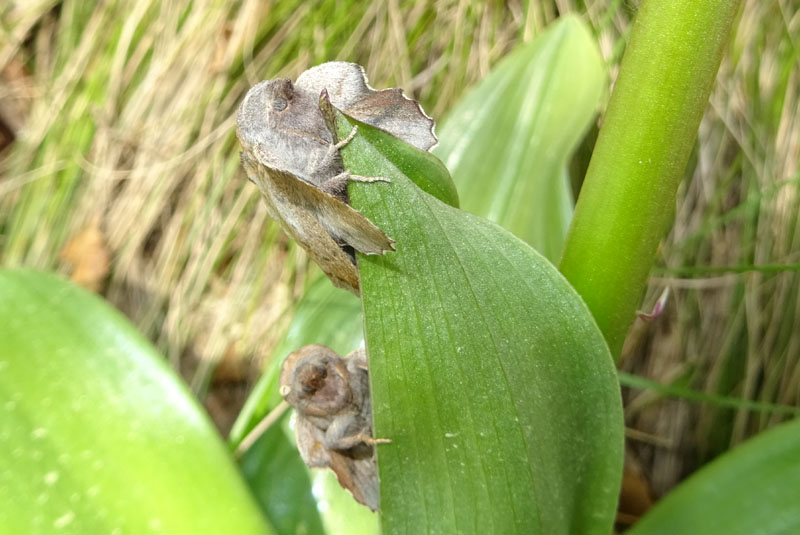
(293, 157)
(330, 395)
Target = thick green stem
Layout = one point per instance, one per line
(628, 198)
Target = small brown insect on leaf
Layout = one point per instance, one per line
(330, 395)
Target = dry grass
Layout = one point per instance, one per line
(123, 115)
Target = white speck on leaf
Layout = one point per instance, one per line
(64, 520)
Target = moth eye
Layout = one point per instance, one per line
(313, 378)
(279, 104)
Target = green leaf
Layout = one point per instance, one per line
(634, 381)
(751, 489)
(332, 317)
(508, 142)
(422, 168)
(488, 373)
(98, 435)
(281, 484)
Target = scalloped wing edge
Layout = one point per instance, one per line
(389, 109)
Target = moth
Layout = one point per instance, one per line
(330, 395)
(293, 157)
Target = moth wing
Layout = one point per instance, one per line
(349, 226)
(357, 360)
(319, 222)
(287, 200)
(343, 223)
(359, 383)
(359, 476)
(309, 443)
(390, 110)
(345, 82)
(393, 112)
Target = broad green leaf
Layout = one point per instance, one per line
(422, 168)
(488, 373)
(97, 435)
(507, 143)
(751, 489)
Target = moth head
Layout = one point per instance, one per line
(263, 104)
(278, 94)
(315, 381)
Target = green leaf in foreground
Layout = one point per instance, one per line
(97, 435)
(488, 373)
(508, 141)
(751, 489)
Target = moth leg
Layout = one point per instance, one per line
(320, 165)
(333, 151)
(351, 441)
(348, 431)
(337, 185)
(348, 139)
(372, 441)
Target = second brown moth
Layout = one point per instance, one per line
(293, 157)
(330, 395)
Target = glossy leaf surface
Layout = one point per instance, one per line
(97, 435)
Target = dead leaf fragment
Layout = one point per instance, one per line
(89, 257)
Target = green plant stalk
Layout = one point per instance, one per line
(628, 198)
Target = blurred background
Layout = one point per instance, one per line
(119, 168)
